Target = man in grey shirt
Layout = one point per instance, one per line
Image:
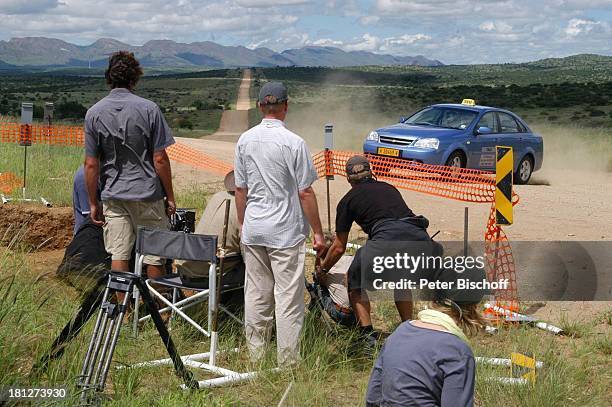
(125, 141)
(276, 203)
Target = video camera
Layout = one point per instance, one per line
(183, 220)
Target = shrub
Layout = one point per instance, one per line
(70, 110)
(597, 113)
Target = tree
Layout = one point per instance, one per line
(70, 110)
(184, 123)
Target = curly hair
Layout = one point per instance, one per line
(123, 70)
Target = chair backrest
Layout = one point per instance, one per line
(176, 245)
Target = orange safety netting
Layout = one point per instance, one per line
(448, 182)
(74, 136)
(191, 156)
(41, 134)
(461, 184)
(8, 182)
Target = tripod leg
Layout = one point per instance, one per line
(112, 317)
(113, 344)
(91, 302)
(135, 313)
(152, 309)
(94, 345)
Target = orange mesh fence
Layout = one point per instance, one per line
(41, 134)
(461, 184)
(8, 182)
(74, 136)
(448, 182)
(190, 156)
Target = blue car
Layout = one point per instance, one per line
(460, 135)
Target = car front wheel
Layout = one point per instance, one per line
(524, 171)
(456, 159)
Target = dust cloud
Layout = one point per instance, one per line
(574, 154)
(352, 109)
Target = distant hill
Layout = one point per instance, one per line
(40, 52)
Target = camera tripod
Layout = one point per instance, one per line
(106, 332)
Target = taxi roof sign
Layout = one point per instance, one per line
(469, 102)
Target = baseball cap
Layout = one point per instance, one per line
(276, 89)
(358, 167)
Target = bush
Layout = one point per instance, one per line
(70, 110)
(184, 123)
(208, 105)
(597, 113)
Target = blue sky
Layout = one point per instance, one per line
(453, 31)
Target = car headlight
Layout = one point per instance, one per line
(373, 136)
(427, 143)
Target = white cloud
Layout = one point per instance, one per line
(495, 26)
(369, 20)
(457, 31)
(371, 43)
(578, 26)
(326, 42)
(269, 3)
(27, 7)
(137, 21)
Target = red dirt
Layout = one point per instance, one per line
(39, 227)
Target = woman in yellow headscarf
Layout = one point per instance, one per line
(429, 361)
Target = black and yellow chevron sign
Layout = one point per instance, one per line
(503, 185)
(523, 366)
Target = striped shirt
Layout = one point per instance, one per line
(274, 164)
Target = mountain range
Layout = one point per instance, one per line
(51, 52)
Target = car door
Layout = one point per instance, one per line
(481, 147)
(511, 134)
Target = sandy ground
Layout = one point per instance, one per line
(560, 204)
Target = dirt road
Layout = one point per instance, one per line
(562, 204)
(235, 122)
(575, 205)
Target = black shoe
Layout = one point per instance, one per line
(369, 339)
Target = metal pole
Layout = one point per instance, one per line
(152, 309)
(218, 288)
(466, 218)
(327, 195)
(25, 169)
(328, 136)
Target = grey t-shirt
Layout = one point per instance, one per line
(124, 130)
(422, 367)
(274, 164)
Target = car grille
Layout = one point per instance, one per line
(396, 140)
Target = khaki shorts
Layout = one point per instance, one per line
(122, 219)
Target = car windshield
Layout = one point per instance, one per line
(446, 117)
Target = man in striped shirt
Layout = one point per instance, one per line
(276, 204)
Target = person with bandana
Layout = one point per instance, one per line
(429, 361)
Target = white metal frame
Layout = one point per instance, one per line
(206, 361)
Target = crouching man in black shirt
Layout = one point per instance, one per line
(379, 209)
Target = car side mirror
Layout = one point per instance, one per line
(402, 119)
(484, 130)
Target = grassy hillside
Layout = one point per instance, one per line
(189, 103)
(388, 94)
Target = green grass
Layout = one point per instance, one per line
(50, 170)
(34, 307)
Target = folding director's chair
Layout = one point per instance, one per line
(194, 247)
(144, 246)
